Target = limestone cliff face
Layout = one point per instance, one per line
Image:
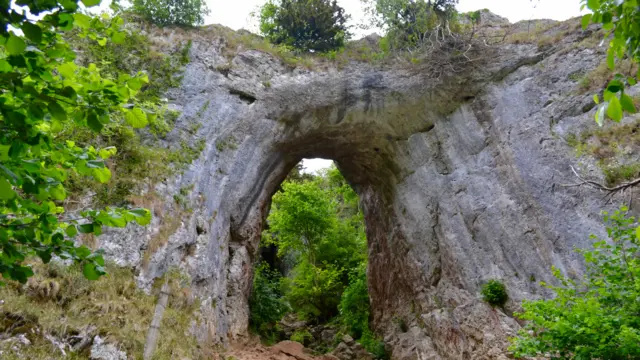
(460, 177)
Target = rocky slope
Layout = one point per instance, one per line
(459, 165)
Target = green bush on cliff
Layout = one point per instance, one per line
(494, 292)
(304, 25)
(172, 12)
(596, 316)
(409, 22)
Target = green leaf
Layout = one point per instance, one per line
(6, 190)
(68, 70)
(71, 231)
(596, 99)
(102, 41)
(141, 216)
(58, 192)
(4, 152)
(89, 271)
(119, 37)
(45, 256)
(57, 111)
(15, 45)
(134, 84)
(586, 19)
(68, 92)
(107, 152)
(89, 3)
(614, 109)
(93, 122)
(32, 32)
(82, 252)
(136, 118)
(69, 5)
(85, 228)
(102, 175)
(5, 67)
(638, 232)
(82, 21)
(627, 104)
(593, 4)
(614, 86)
(611, 60)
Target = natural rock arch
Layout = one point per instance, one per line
(457, 177)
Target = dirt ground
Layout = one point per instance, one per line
(285, 350)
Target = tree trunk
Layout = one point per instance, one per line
(154, 329)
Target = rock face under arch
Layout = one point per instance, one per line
(459, 177)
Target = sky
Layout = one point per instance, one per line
(236, 14)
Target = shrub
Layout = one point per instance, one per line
(409, 22)
(172, 12)
(314, 292)
(354, 304)
(302, 336)
(595, 317)
(266, 304)
(494, 292)
(374, 345)
(306, 25)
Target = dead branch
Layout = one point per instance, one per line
(597, 185)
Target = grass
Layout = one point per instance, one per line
(227, 143)
(598, 78)
(534, 36)
(609, 145)
(616, 175)
(120, 312)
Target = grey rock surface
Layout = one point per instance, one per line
(460, 177)
(101, 350)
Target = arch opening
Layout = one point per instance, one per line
(309, 281)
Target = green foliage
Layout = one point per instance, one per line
(354, 304)
(317, 221)
(43, 92)
(140, 158)
(266, 303)
(313, 291)
(615, 175)
(172, 12)
(494, 292)
(408, 22)
(302, 336)
(374, 345)
(305, 25)
(595, 317)
(619, 19)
